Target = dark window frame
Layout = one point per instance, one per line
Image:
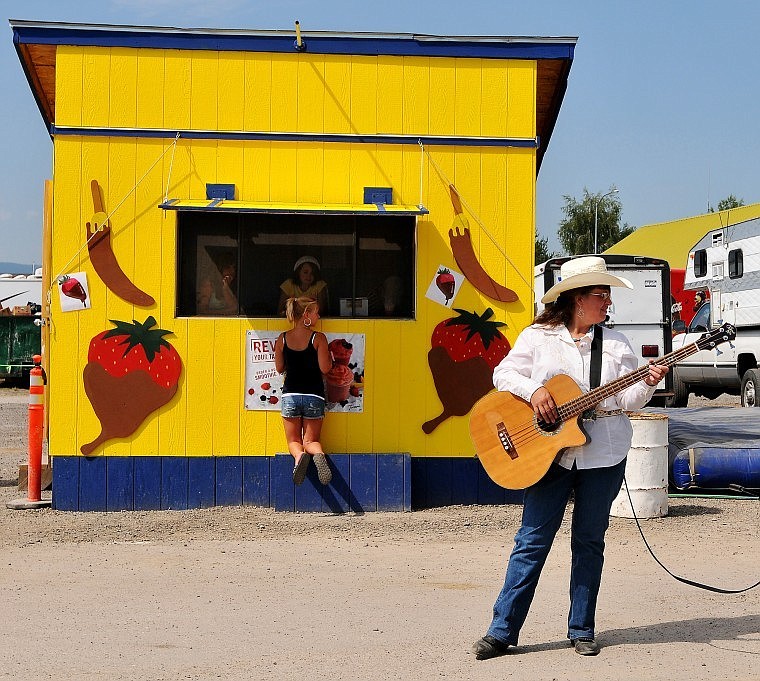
(359, 254)
(700, 263)
(735, 263)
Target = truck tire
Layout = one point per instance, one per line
(680, 392)
(751, 388)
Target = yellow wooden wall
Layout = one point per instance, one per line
(147, 88)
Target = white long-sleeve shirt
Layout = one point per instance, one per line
(541, 352)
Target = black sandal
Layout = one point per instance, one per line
(299, 472)
(323, 469)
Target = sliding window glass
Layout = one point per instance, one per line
(735, 263)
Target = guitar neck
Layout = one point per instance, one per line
(590, 399)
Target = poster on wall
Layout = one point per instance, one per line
(74, 294)
(344, 385)
(444, 286)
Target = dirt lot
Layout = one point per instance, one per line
(243, 593)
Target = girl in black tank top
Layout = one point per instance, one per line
(302, 355)
(302, 373)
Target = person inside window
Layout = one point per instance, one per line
(306, 281)
(217, 293)
(699, 298)
(384, 300)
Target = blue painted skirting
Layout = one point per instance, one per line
(361, 483)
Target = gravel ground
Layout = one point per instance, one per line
(247, 593)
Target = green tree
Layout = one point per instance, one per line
(729, 202)
(576, 229)
(542, 250)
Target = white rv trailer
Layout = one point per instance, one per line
(641, 314)
(18, 290)
(726, 262)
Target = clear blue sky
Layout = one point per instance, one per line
(662, 102)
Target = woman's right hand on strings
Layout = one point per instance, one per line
(543, 406)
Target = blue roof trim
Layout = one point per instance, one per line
(526, 142)
(194, 39)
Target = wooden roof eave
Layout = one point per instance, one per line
(553, 73)
(38, 63)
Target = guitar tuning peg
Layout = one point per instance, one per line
(731, 345)
(718, 352)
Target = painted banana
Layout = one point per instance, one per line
(102, 257)
(467, 261)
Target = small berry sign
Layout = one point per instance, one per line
(444, 286)
(74, 294)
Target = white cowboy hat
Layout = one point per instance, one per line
(305, 259)
(588, 270)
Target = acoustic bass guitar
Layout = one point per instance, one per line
(516, 448)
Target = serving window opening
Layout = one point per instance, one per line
(241, 264)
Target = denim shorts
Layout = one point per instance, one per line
(305, 406)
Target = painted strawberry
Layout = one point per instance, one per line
(471, 335)
(72, 288)
(445, 283)
(465, 350)
(265, 386)
(131, 371)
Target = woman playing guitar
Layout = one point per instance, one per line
(560, 342)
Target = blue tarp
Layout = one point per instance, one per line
(725, 443)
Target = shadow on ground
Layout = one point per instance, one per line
(700, 630)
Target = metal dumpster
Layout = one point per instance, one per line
(20, 340)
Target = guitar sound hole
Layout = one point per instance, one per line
(548, 427)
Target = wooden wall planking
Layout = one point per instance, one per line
(285, 93)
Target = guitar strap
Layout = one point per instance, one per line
(595, 373)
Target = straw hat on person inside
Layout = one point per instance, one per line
(588, 270)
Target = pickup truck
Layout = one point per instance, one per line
(730, 368)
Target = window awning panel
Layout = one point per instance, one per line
(224, 205)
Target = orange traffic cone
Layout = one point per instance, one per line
(36, 424)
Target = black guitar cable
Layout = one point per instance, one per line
(699, 585)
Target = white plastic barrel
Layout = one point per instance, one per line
(646, 470)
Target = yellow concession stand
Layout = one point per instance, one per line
(195, 169)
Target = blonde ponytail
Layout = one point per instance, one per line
(295, 308)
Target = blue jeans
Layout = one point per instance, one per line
(544, 505)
